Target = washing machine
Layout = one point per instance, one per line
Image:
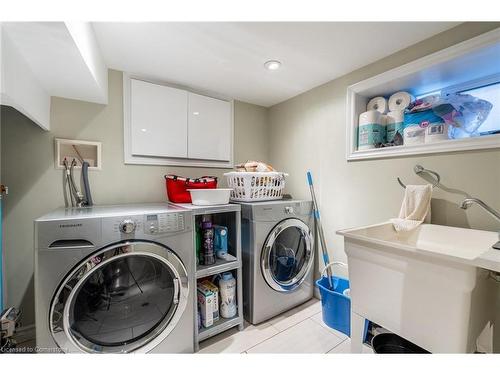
(278, 256)
(115, 279)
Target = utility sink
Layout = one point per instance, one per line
(431, 286)
(469, 246)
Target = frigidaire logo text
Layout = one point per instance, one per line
(70, 225)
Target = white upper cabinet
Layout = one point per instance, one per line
(170, 126)
(159, 120)
(210, 128)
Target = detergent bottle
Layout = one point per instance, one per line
(220, 241)
(227, 291)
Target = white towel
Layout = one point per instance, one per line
(415, 209)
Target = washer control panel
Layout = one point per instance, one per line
(127, 226)
(148, 224)
(163, 223)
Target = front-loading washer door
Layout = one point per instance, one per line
(287, 255)
(123, 298)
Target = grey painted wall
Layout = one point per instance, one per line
(36, 186)
(309, 132)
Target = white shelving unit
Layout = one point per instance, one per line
(469, 61)
(228, 215)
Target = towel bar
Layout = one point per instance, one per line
(418, 169)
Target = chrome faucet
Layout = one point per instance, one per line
(466, 203)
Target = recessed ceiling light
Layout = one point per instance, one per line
(144, 130)
(196, 113)
(272, 65)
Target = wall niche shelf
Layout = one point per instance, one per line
(469, 61)
(77, 149)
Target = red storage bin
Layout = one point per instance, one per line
(177, 186)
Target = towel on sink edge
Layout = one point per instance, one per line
(415, 209)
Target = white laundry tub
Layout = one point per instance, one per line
(426, 286)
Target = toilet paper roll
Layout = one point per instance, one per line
(395, 124)
(370, 117)
(394, 117)
(400, 101)
(371, 130)
(377, 104)
(436, 132)
(414, 135)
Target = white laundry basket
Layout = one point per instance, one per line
(256, 186)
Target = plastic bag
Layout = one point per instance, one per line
(463, 113)
(424, 103)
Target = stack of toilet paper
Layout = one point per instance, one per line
(398, 103)
(382, 120)
(371, 129)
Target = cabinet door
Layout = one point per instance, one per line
(210, 133)
(158, 120)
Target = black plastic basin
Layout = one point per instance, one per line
(390, 343)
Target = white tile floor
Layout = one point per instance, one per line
(300, 330)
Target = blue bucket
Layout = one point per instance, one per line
(336, 306)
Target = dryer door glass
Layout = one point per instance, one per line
(287, 256)
(123, 298)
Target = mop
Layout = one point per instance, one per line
(319, 227)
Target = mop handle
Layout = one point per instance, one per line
(319, 227)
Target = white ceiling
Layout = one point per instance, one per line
(60, 55)
(227, 58)
(44, 59)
